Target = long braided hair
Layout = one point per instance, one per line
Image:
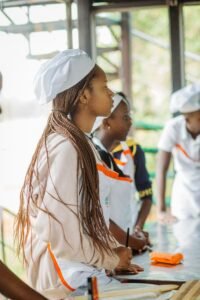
(90, 213)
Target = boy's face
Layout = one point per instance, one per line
(193, 122)
(120, 122)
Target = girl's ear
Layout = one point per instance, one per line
(84, 98)
(106, 124)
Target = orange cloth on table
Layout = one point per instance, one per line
(167, 258)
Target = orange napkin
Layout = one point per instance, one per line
(167, 258)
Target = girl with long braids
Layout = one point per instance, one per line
(61, 224)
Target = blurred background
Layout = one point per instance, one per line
(147, 50)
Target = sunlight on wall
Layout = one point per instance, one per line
(23, 120)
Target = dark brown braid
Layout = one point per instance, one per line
(90, 213)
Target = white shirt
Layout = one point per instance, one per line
(123, 208)
(186, 153)
(105, 184)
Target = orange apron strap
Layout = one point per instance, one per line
(179, 147)
(58, 270)
(112, 174)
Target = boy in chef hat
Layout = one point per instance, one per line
(181, 140)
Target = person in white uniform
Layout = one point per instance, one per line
(124, 212)
(181, 140)
(61, 227)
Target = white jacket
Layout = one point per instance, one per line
(57, 262)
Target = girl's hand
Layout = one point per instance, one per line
(125, 256)
(132, 269)
(165, 217)
(137, 242)
(135, 269)
(142, 234)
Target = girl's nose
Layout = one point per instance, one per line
(111, 93)
(130, 121)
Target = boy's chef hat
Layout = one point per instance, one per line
(60, 73)
(186, 100)
(117, 98)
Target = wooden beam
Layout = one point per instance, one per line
(84, 25)
(6, 15)
(102, 50)
(17, 3)
(124, 6)
(177, 47)
(34, 27)
(110, 63)
(126, 68)
(189, 2)
(144, 2)
(69, 23)
(50, 26)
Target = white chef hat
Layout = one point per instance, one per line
(60, 73)
(186, 100)
(117, 98)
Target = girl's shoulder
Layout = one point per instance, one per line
(57, 143)
(174, 127)
(176, 121)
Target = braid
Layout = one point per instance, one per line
(59, 122)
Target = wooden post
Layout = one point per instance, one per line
(85, 26)
(177, 47)
(126, 72)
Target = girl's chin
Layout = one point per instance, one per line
(106, 114)
(122, 138)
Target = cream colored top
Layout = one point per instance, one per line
(57, 241)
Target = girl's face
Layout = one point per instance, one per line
(120, 122)
(100, 99)
(193, 122)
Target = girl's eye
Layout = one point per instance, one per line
(126, 118)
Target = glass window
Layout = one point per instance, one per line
(192, 45)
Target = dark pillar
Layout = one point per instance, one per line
(126, 72)
(69, 25)
(177, 46)
(85, 26)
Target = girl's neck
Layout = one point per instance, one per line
(84, 121)
(194, 135)
(106, 141)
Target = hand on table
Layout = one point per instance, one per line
(132, 269)
(125, 256)
(138, 241)
(165, 217)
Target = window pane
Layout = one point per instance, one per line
(151, 64)
(192, 45)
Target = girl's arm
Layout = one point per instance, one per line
(12, 287)
(143, 213)
(143, 185)
(168, 140)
